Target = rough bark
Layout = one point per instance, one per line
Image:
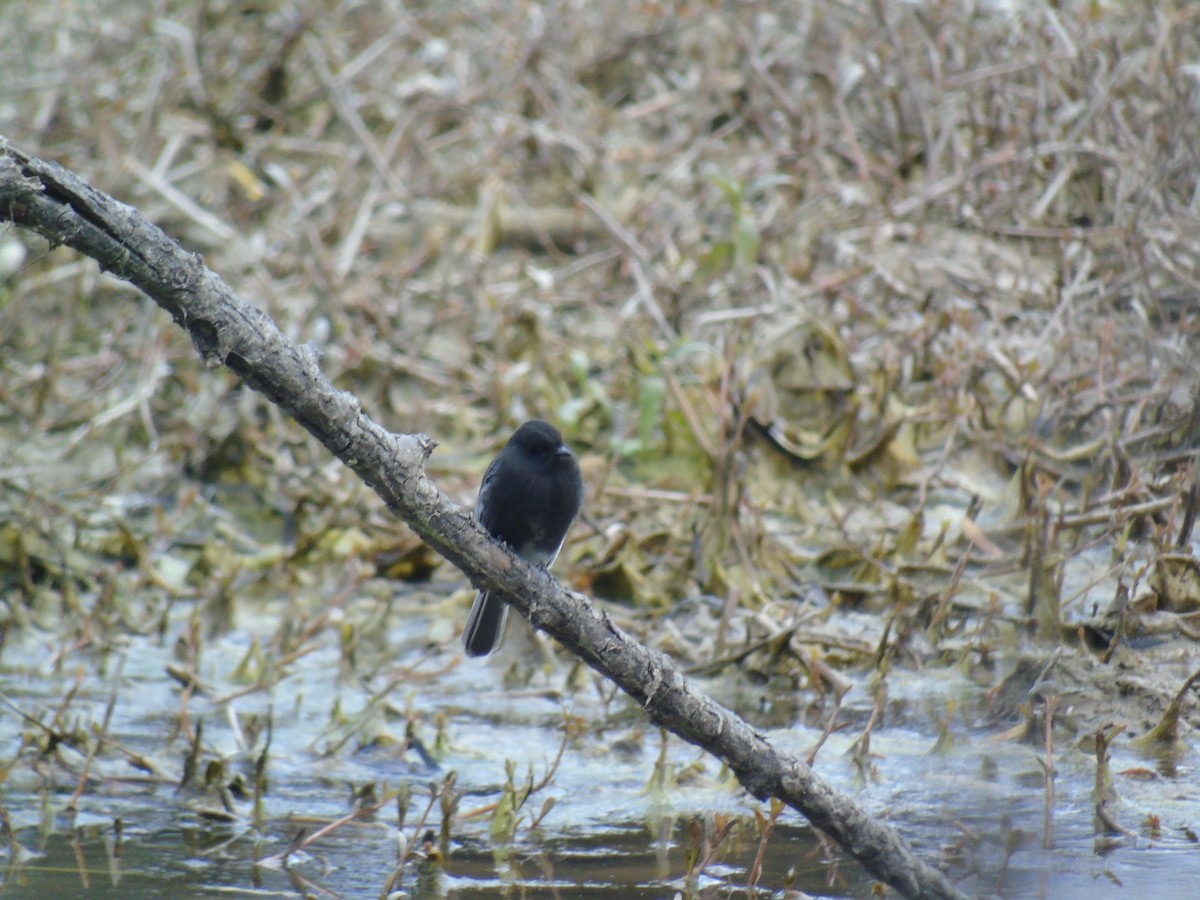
(50, 200)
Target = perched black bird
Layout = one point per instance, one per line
(530, 494)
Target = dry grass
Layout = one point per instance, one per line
(850, 307)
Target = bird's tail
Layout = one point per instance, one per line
(485, 625)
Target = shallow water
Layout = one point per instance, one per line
(622, 804)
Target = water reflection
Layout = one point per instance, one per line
(619, 811)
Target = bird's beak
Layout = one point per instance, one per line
(564, 451)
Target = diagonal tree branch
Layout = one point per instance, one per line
(48, 199)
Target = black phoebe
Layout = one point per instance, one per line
(529, 496)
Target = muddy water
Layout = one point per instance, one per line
(626, 808)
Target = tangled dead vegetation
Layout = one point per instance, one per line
(875, 326)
